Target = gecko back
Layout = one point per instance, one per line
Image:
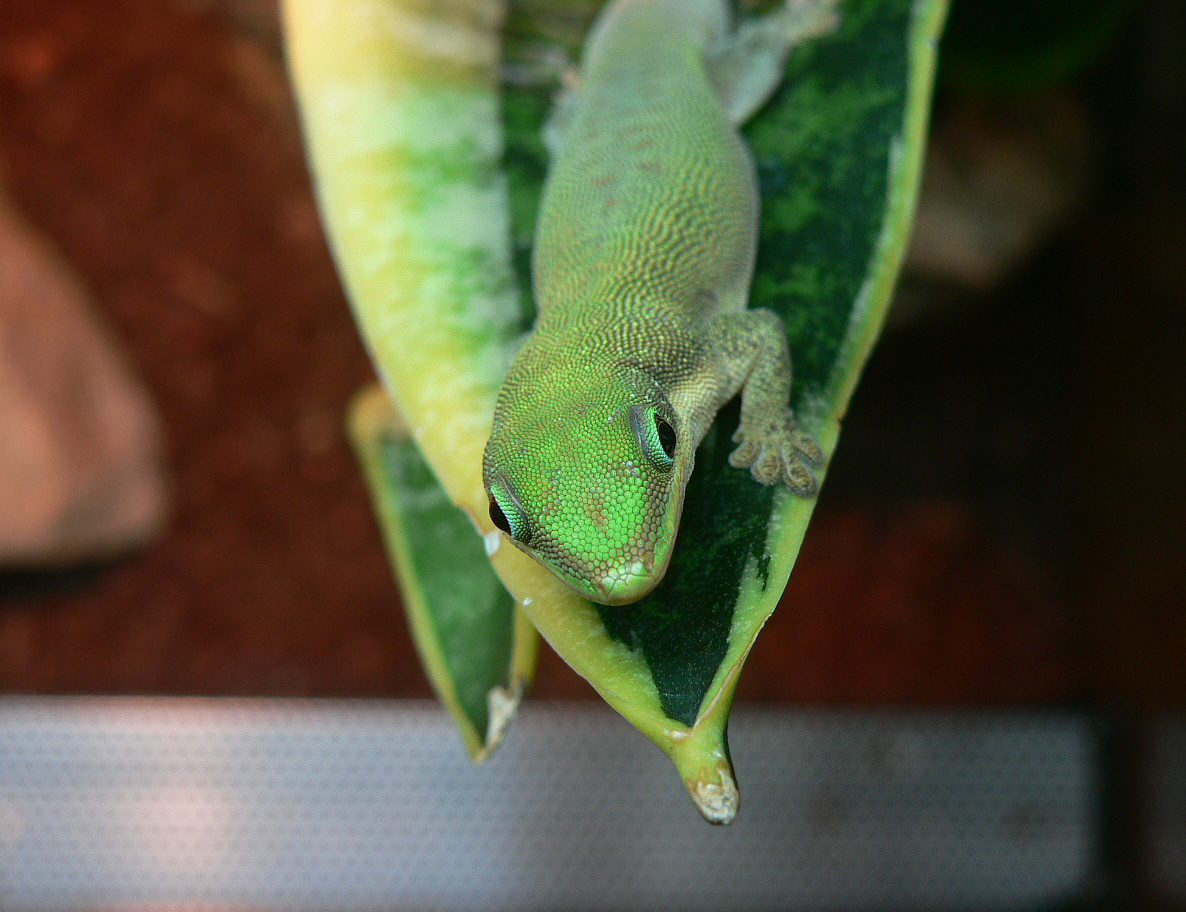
(651, 197)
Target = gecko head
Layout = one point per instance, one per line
(589, 480)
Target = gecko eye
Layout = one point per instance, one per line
(516, 526)
(666, 436)
(498, 517)
(655, 435)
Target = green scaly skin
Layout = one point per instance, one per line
(642, 262)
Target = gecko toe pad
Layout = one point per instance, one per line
(776, 451)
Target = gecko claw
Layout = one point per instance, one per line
(806, 448)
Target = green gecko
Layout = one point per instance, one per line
(642, 262)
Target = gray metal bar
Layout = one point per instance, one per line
(348, 805)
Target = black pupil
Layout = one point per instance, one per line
(498, 517)
(666, 436)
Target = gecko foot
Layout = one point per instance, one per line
(777, 451)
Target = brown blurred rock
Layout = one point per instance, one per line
(1000, 180)
(80, 463)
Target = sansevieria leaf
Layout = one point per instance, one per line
(428, 177)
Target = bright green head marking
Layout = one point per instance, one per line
(588, 477)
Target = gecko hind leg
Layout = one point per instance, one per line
(747, 66)
(561, 114)
(531, 64)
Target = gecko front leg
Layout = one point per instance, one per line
(750, 350)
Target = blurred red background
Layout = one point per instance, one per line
(1002, 523)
